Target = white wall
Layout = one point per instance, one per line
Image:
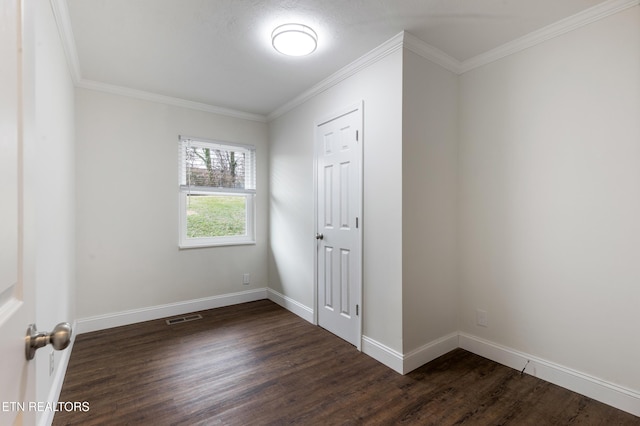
(429, 190)
(291, 138)
(127, 207)
(550, 199)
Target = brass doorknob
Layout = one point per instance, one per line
(59, 338)
(319, 236)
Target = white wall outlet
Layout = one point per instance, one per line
(481, 318)
(52, 362)
(246, 279)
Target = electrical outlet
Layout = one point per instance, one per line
(246, 279)
(51, 362)
(481, 318)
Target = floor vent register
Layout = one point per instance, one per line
(186, 318)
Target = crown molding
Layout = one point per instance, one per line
(63, 21)
(403, 39)
(431, 53)
(556, 29)
(425, 50)
(167, 100)
(354, 67)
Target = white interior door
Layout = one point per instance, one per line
(17, 381)
(339, 224)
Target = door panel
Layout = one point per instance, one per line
(17, 381)
(344, 196)
(328, 277)
(339, 195)
(345, 283)
(328, 197)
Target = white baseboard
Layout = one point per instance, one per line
(58, 379)
(592, 387)
(404, 363)
(291, 305)
(384, 354)
(427, 353)
(101, 322)
(616, 396)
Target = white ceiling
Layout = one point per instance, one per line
(218, 52)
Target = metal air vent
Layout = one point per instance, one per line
(186, 318)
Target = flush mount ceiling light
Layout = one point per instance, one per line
(294, 39)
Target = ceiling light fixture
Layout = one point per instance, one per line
(294, 39)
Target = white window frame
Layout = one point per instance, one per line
(185, 189)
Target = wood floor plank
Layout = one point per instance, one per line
(258, 364)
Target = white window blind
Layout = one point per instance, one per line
(211, 166)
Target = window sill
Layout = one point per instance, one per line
(189, 246)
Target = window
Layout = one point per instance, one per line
(217, 190)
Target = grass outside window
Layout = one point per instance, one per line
(216, 216)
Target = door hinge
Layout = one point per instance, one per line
(357, 310)
(356, 223)
(357, 138)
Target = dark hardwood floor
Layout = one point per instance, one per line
(257, 363)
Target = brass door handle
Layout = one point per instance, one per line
(319, 236)
(59, 338)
